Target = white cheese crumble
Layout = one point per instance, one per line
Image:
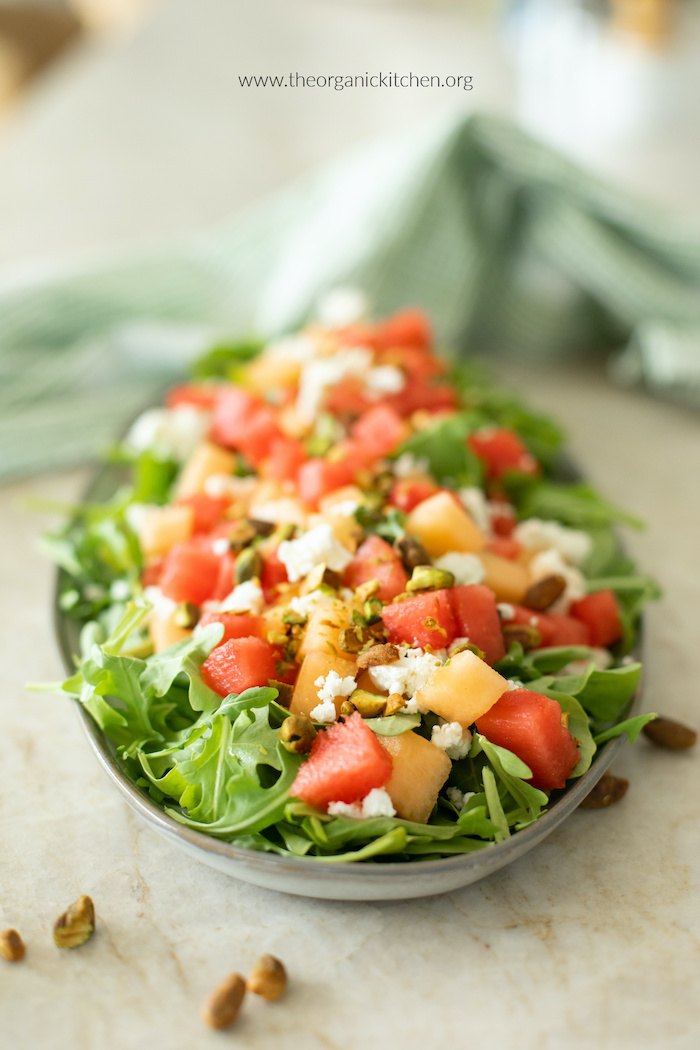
(407, 464)
(220, 486)
(466, 568)
(376, 804)
(304, 603)
(119, 590)
(536, 534)
(408, 674)
(551, 563)
(476, 505)
(385, 379)
(162, 606)
(318, 546)
(341, 306)
(346, 508)
(136, 514)
(506, 611)
(451, 738)
(513, 683)
(458, 798)
(324, 372)
(245, 597)
(329, 687)
(220, 545)
(171, 433)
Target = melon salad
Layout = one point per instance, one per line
(347, 605)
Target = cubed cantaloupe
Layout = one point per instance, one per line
(463, 689)
(316, 665)
(165, 632)
(420, 770)
(162, 527)
(508, 579)
(272, 370)
(324, 625)
(204, 462)
(442, 525)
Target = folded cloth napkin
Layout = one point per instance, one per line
(510, 247)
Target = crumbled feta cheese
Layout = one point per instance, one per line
(136, 514)
(318, 546)
(407, 464)
(346, 508)
(324, 712)
(300, 348)
(466, 568)
(408, 674)
(324, 372)
(245, 597)
(306, 602)
(384, 379)
(551, 563)
(376, 804)
(341, 306)
(220, 546)
(506, 611)
(171, 433)
(536, 534)
(331, 685)
(452, 739)
(458, 798)
(513, 683)
(162, 606)
(119, 590)
(476, 505)
(219, 486)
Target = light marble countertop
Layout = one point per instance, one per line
(590, 941)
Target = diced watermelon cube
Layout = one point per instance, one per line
(425, 620)
(236, 625)
(190, 573)
(239, 664)
(345, 763)
(600, 613)
(530, 725)
(380, 429)
(377, 560)
(474, 608)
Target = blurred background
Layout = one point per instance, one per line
(124, 120)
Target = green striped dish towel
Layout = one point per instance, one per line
(510, 247)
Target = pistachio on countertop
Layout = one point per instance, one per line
(673, 736)
(11, 946)
(608, 790)
(76, 925)
(222, 1007)
(268, 978)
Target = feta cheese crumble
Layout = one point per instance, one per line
(376, 804)
(318, 546)
(407, 464)
(346, 508)
(458, 798)
(535, 534)
(477, 507)
(162, 606)
(452, 739)
(170, 433)
(324, 372)
(385, 379)
(220, 546)
(245, 597)
(466, 568)
(408, 674)
(506, 611)
(329, 687)
(303, 604)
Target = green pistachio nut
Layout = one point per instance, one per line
(428, 578)
(76, 925)
(249, 565)
(297, 734)
(370, 705)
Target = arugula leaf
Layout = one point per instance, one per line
(152, 478)
(223, 358)
(510, 771)
(577, 504)
(444, 445)
(631, 727)
(606, 694)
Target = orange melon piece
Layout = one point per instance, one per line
(463, 689)
(270, 371)
(442, 525)
(206, 461)
(165, 632)
(508, 579)
(322, 629)
(305, 695)
(163, 527)
(420, 770)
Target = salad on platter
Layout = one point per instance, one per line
(350, 603)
